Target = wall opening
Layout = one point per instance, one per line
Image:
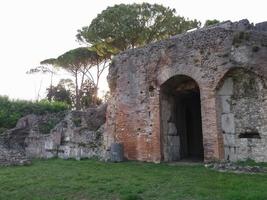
(181, 127)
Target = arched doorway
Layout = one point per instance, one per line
(181, 127)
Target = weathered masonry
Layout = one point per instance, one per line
(201, 95)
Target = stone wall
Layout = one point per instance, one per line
(75, 134)
(135, 77)
(244, 116)
(9, 156)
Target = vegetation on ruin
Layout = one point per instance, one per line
(12, 110)
(89, 179)
(210, 22)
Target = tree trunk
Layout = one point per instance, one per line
(78, 101)
(51, 87)
(96, 85)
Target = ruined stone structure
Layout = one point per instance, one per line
(199, 95)
(75, 134)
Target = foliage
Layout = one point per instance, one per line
(88, 179)
(77, 58)
(88, 95)
(116, 29)
(211, 22)
(104, 50)
(49, 61)
(12, 110)
(41, 69)
(78, 62)
(61, 92)
(64, 91)
(127, 26)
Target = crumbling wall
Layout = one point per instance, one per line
(76, 134)
(10, 156)
(244, 115)
(205, 55)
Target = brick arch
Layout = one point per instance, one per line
(212, 138)
(193, 72)
(180, 119)
(226, 73)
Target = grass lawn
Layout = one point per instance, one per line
(89, 179)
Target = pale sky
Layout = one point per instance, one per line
(34, 30)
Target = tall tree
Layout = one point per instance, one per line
(128, 26)
(77, 62)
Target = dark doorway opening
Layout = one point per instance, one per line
(181, 127)
(189, 121)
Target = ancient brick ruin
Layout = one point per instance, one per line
(199, 95)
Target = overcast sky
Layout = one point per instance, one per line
(34, 30)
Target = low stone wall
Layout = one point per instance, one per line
(76, 134)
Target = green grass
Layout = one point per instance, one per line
(89, 179)
(252, 163)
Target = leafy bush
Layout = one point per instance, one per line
(12, 110)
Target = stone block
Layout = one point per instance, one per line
(225, 102)
(229, 139)
(228, 123)
(173, 148)
(49, 145)
(230, 153)
(116, 152)
(227, 88)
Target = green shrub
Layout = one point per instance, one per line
(12, 110)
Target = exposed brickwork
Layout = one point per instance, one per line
(205, 55)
